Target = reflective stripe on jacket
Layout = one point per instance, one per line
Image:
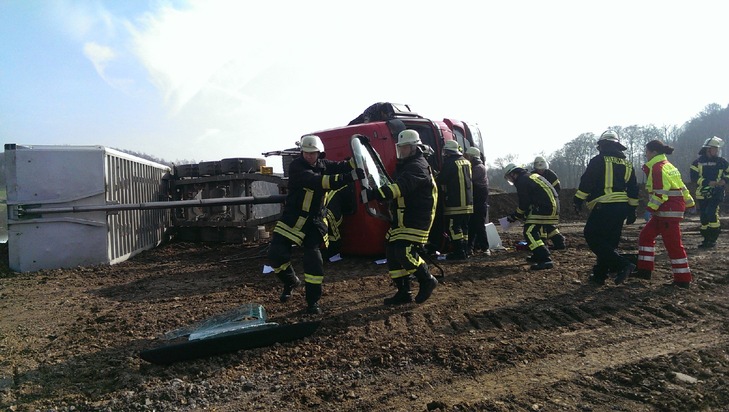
(705, 170)
(669, 197)
(456, 185)
(414, 194)
(538, 200)
(304, 208)
(609, 178)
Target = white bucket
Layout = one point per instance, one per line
(493, 236)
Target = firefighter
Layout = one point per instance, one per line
(477, 238)
(413, 196)
(303, 220)
(609, 187)
(710, 172)
(541, 167)
(668, 199)
(455, 189)
(539, 209)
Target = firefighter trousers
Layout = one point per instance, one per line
(602, 232)
(670, 232)
(477, 237)
(402, 258)
(532, 234)
(709, 216)
(279, 255)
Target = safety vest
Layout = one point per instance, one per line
(669, 197)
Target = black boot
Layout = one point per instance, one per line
(459, 251)
(290, 282)
(598, 276)
(558, 242)
(427, 283)
(542, 259)
(403, 294)
(313, 294)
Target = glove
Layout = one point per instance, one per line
(578, 204)
(358, 174)
(631, 216)
(511, 218)
(707, 191)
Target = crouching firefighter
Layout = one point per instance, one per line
(303, 220)
(539, 209)
(413, 196)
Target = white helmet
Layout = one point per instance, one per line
(509, 169)
(714, 142)
(540, 164)
(473, 152)
(407, 138)
(611, 136)
(452, 146)
(311, 143)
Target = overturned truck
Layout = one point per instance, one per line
(84, 205)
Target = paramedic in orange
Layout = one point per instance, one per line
(668, 199)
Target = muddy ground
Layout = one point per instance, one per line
(493, 337)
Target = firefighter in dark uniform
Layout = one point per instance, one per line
(413, 198)
(710, 172)
(538, 208)
(303, 220)
(456, 191)
(609, 187)
(477, 238)
(541, 167)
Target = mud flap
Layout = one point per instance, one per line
(248, 338)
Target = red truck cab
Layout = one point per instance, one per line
(362, 233)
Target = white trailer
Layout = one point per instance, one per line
(76, 176)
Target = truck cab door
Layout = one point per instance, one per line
(366, 158)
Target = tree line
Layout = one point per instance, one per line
(571, 160)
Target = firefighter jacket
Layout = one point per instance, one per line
(480, 181)
(414, 195)
(456, 186)
(609, 178)
(669, 197)
(538, 201)
(551, 177)
(304, 209)
(705, 170)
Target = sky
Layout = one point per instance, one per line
(207, 80)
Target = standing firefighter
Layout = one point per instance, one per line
(477, 238)
(710, 172)
(538, 207)
(609, 187)
(303, 219)
(668, 199)
(413, 198)
(541, 167)
(456, 191)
